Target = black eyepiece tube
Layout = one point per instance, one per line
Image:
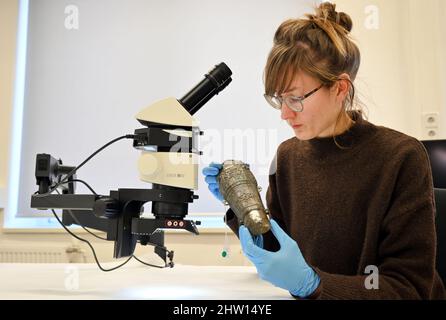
(215, 81)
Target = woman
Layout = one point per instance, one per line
(346, 198)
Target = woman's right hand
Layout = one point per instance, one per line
(211, 172)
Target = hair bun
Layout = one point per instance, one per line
(327, 11)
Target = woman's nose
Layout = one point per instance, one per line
(287, 113)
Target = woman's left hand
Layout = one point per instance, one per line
(285, 268)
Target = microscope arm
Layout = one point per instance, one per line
(119, 215)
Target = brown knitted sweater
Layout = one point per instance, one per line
(370, 204)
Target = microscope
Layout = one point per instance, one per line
(169, 161)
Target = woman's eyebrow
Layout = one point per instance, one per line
(292, 89)
(288, 91)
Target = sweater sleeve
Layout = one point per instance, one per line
(407, 241)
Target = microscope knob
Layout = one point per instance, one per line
(148, 165)
(106, 207)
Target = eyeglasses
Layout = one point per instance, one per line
(293, 102)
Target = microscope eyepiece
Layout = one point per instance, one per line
(215, 81)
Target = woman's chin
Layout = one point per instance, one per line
(302, 135)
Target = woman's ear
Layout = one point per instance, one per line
(343, 86)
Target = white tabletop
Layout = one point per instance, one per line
(133, 281)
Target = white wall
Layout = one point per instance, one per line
(128, 54)
(402, 76)
(402, 73)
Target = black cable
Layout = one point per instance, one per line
(89, 244)
(75, 180)
(157, 246)
(148, 264)
(65, 180)
(71, 213)
(92, 249)
(78, 223)
(169, 254)
(101, 238)
(84, 183)
(127, 136)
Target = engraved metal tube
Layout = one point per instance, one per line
(239, 188)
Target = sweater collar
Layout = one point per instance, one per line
(350, 140)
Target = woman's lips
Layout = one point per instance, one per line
(296, 126)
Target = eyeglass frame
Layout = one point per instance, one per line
(300, 99)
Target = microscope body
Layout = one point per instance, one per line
(169, 145)
(169, 153)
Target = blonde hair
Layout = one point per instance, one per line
(319, 45)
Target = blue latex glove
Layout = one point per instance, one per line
(285, 268)
(258, 240)
(211, 172)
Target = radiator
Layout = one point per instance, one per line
(13, 255)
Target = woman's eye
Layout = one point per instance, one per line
(294, 99)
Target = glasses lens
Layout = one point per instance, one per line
(294, 104)
(273, 101)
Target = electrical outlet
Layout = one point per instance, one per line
(430, 120)
(431, 133)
